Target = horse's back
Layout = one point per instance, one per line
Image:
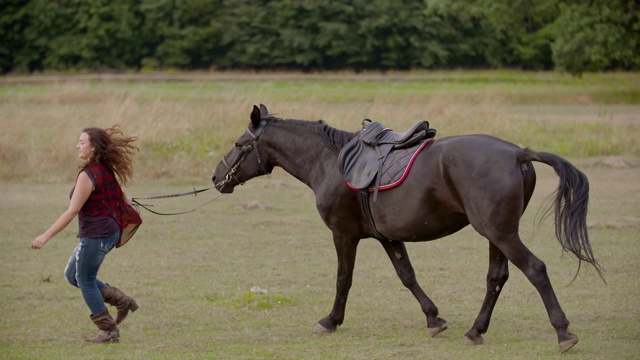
(480, 145)
(475, 155)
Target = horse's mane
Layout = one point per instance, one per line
(334, 138)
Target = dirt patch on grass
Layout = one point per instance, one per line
(616, 162)
(253, 205)
(275, 184)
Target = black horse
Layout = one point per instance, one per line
(460, 180)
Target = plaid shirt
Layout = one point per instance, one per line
(107, 199)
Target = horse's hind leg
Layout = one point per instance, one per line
(535, 270)
(496, 278)
(400, 258)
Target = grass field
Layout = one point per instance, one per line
(185, 125)
(192, 275)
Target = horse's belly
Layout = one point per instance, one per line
(413, 227)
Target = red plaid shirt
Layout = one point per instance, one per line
(107, 197)
(107, 200)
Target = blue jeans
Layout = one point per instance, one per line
(83, 266)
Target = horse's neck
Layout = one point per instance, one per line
(300, 151)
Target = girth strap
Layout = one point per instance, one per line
(366, 207)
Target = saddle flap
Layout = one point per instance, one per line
(358, 164)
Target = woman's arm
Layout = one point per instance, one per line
(83, 189)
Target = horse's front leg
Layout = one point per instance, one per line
(346, 248)
(496, 278)
(397, 252)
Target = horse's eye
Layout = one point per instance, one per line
(238, 145)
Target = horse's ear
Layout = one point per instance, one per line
(255, 117)
(263, 111)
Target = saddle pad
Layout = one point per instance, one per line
(396, 167)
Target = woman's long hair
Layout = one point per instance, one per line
(113, 150)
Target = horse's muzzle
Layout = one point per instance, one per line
(224, 186)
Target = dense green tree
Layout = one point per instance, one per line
(182, 34)
(31, 25)
(573, 35)
(490, 33)
(249, 37)
(339, 39)
(158, 20)
(394, 34)
(597, 35)
(312, 34)
(533, 22)
(297, 26)
(69, 34)
(12, 25)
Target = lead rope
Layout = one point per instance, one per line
(194, 193)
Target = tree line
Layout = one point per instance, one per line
(308, 35)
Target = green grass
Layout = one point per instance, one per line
(193, 274)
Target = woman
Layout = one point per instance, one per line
(104, 213)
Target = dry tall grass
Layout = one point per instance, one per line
(185, 128)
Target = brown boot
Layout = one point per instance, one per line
(109, 332)
(114, 297)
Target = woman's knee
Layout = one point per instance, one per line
(71, 277)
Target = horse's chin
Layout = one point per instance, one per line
(223, 188)
(226, 189)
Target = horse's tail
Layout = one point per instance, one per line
(570, 205)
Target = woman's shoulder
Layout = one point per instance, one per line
(96, 172)
(97, 168)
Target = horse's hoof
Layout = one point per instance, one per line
(321, 330)
(479, 340)
(436, 330)
(566, 345)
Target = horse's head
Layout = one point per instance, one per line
(245, 160)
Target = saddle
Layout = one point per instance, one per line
(361, 159)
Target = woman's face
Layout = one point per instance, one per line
(84, 147)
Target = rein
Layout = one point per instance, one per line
(244, 151)
(194, 193)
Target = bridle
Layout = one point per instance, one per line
(244, 151)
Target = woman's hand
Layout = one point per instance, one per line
(39, 241)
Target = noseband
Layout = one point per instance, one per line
(246, 149)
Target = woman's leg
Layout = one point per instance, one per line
(90, 255)
(70, 270)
